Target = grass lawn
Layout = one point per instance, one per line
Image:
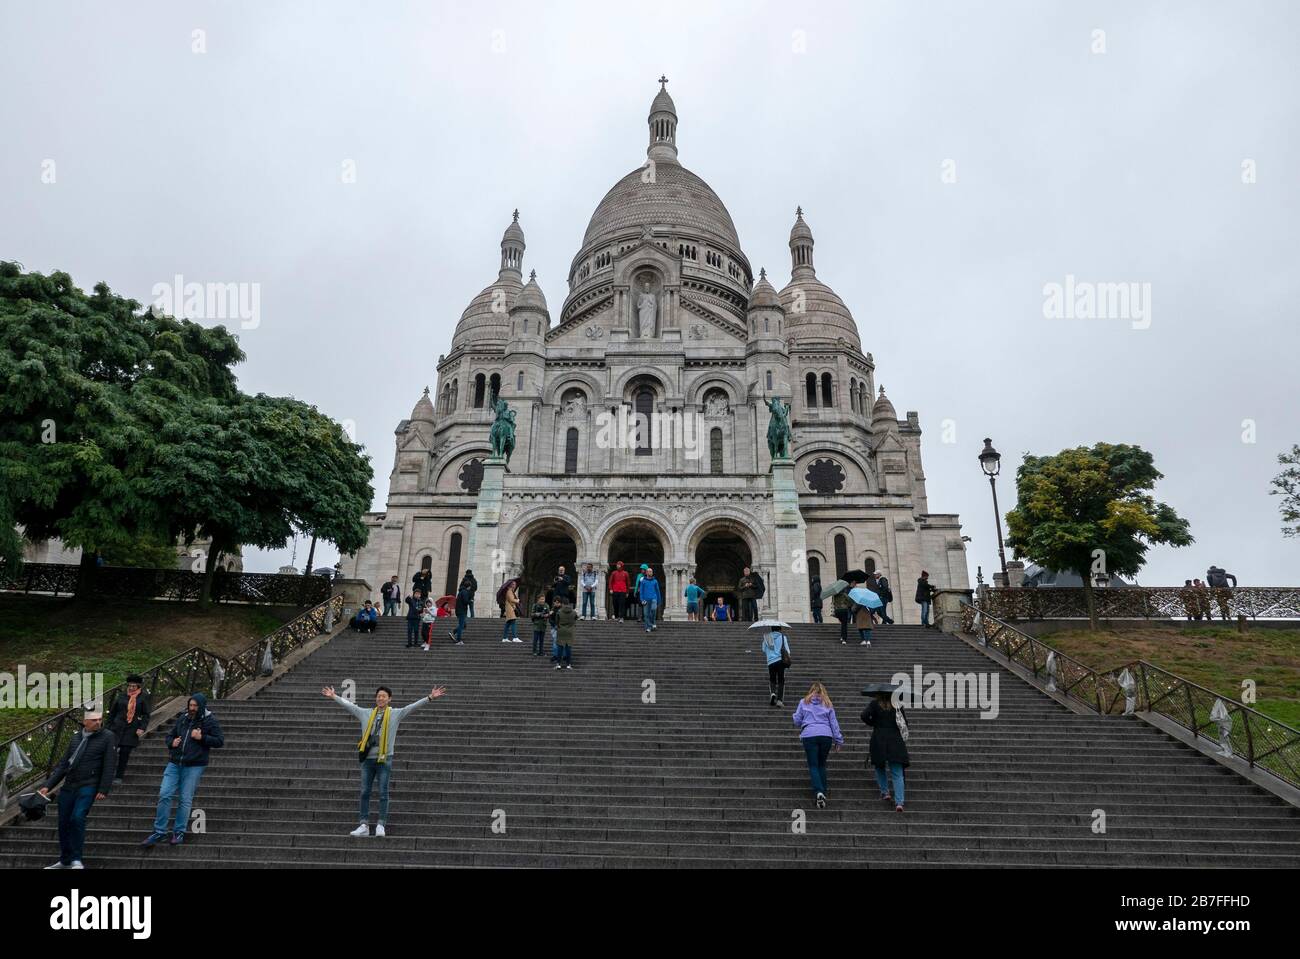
(1217, 658)
(116, 638)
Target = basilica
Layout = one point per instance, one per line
(665, 327)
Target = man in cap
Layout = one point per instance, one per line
(86, 771)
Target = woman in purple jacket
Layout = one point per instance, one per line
(819, 731)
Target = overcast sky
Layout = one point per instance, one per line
(226, 164)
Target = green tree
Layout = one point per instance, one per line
(1091, 510)
(1287, 485)
(75, 370)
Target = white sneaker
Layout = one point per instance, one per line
(379, 831)
(362, 830)
(504, 640)
(57, 865)
(516, 640)
(76, 864)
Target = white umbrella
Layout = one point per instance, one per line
(770, 623)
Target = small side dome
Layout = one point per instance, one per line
(423, 412)
(883, 410)
(531, 296)
(764, 295)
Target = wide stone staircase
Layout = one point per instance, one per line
(662, 751)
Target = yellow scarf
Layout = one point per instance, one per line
(383, 734)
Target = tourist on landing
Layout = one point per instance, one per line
(469, 582)
(815, 589)
(720, 612)
(392, 594)
(588, 582)
(86, 771)
(618, 587)
(414, 607)
(562, 589)
(194, 733)
(760, 590)
(888, 742)
(694, 597)
(365, 619)
(639, 610)
(377, 746)
(819, 732)
(541, 624)
(128, 721)
(880, 586)
(776, 650)
(510, 606)
(565, 617)
(464, 599)
(423, 581)
(748, 607)
(924, 597)
(650, 599)
(842, 609)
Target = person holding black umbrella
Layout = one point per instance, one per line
(86, 771)
(889, 734)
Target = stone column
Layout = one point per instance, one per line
(947, 607)
(485, 527)
(788, 590)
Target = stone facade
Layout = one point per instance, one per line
(665, 319)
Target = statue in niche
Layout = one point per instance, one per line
(574, 403)
(646, 310)
(715, 404)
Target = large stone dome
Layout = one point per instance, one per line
(676, 200)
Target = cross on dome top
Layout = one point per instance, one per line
(663, 82)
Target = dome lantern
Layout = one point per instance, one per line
(663, 125)
(512, 248)
(801, 247)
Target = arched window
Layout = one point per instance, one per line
(519, 382)
(480, 384)
(769, 380)
(453, 564)
(715, 451)
(455, 394)
(814, 570)
(571, 451)
(828, 397)
(644, 409)
(494, 388)
(811, 388)
(853, 395)
(841, 556)
(869, 565)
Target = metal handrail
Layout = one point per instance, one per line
(1263, 742)
(61, 579)
(1143, 602)
(196, 668)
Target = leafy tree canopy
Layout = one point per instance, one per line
(1287, 485)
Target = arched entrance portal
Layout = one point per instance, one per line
(544, 553)
(720, 561)
(636, 543)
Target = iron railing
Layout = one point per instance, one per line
(60, 579)
(1143, 602)
(195, 669)
(1139, 686)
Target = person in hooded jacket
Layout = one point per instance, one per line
(815, 595)
(819, 733)
(888, 748)
(469, 582)
(193, 735)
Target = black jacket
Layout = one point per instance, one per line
(887, 743)
(194, 752)
(463, 599)
(924, 591)
(471, 582)
(117, 724)
(94, 767)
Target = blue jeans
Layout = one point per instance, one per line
(925, 612)
(460, 626)
(817, 749)
(650, 608)
(412, 632)
(511, 630)
(182, 780)
(588, 600)
(538, 636)
(471, 609)
(562, 654)
(74, 807)
(883, 781)
(371, 770)
(864, 635)
(390, 607)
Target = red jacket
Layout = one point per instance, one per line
(618, 581)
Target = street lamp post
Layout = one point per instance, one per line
(991, 463)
